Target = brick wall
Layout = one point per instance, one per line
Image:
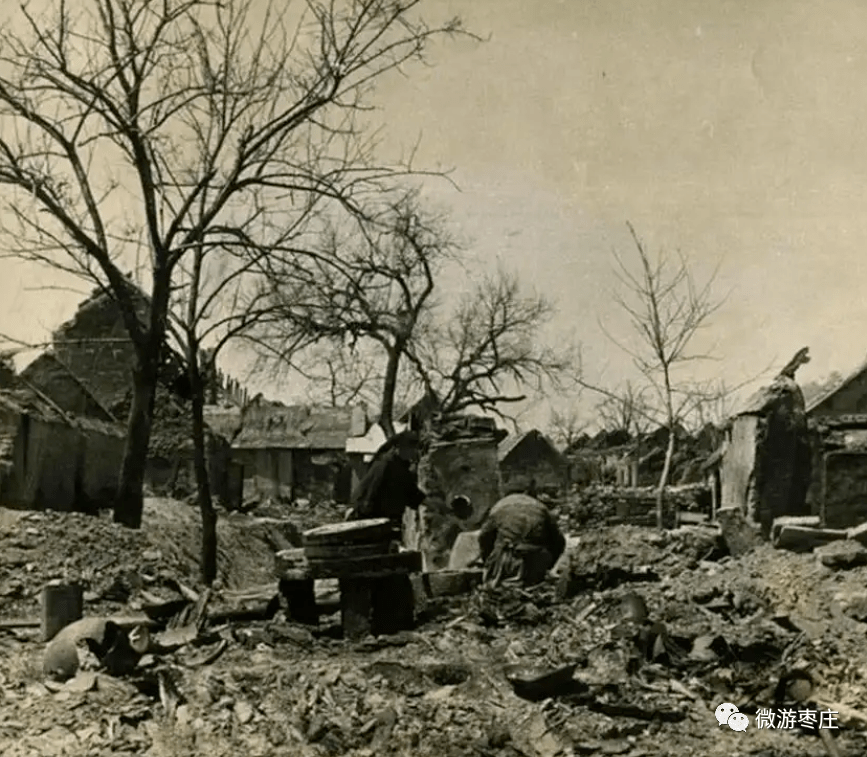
(95, 346)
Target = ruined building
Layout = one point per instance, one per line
(459, 472)
(86, 374)
(765, 468)
(838, 420)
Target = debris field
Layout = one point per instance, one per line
(628, 651)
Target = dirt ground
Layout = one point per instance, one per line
(730, 628)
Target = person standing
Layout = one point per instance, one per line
(390, 485)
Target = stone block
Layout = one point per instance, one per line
(859, 534)
(465, 551)
(739, 534)
(842, 554)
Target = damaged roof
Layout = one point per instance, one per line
(28, 400)
(271, 426)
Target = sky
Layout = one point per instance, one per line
(729, 131)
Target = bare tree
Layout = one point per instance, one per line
(667, 308)
(164, 126)
(624, 408)
(374, 281)
(492, 350)
(566, 427)
(210, 306)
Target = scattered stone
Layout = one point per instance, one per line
(804, 538)
(842, 555)
(739, 534)
(465, 551)
(810, 521)
(83, 682)
(852, 605)
(243, 711)
(859, 534)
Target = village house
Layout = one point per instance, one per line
(50, 459)
(86, 373)
(290, 452)
(530, 461)
(838, 422)
(765, 467)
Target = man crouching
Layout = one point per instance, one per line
(519, 540)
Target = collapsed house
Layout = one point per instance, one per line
(86, 374)
(50, 459)
(838, 420)
(530, 462)
(765, 467)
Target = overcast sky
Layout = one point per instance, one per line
(732, 131)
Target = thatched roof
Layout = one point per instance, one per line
(295, 427)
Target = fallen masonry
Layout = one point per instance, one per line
(628, 651)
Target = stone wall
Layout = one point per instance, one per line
(462, 468)
(611, 505)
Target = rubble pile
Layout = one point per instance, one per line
(632, 659)
(596, 506)
(112, 562)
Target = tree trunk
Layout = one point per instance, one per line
(129, 501)
(663, 480)
(389, 387)
(669, 452)
(208, 566)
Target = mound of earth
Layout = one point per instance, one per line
(37, 547)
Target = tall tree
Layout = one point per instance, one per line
(491, 350)
(176, 125)
(373, 281)
(666, 308)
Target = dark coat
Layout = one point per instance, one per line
(387, 489)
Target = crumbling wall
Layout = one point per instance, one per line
(101, 460)
(599, 506)
(52, 462)
(466, 468)
(54, 380)
(738, 462)
(783, 458)
(845, 484)
(766, 469)
(11, 456)
(96, 347)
